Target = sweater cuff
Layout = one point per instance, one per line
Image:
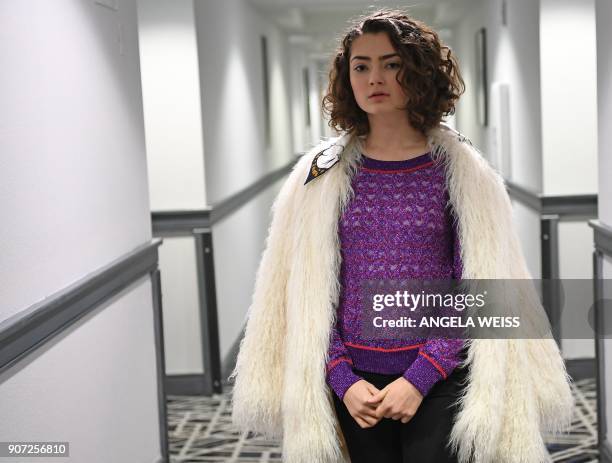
(341, 377)
(423, 374)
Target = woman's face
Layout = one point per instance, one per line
(373, 67)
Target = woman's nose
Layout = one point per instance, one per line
(375, 77)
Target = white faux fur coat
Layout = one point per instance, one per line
(517, 388)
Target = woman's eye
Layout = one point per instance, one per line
(394, 65)
(359, 68)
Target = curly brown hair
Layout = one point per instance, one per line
(429, 74)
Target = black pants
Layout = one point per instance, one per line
(422, 440)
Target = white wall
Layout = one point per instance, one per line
(576, 262)
(321, 81)
(236, 156)
(551, 80)
(231, 86)
(528, 228)
(569, 96)
(569, 128)
(204, 112)
(512, 58)
(171, 96)
(314, 100)
(299, 97)
(604, 124)
(175, 159)
(75, 388)
(604, 109)
(74, 186)
(463, 46)
(181, 310)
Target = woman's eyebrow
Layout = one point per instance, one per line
(367, 58)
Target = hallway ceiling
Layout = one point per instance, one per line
(315, 24)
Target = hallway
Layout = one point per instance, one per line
(145, 148)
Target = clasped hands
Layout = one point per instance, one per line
(398, 400)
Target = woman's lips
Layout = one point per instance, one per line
(382, 95)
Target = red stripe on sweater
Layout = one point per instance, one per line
(394, 171)
(338, 360)
(382, 349)
(435, 364)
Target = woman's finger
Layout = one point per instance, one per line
(370, 420)
(372, 389)
(369, 411)
(361, 422)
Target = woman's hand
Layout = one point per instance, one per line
(355, 399)
(397, 400)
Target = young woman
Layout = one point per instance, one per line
(391, 82)
(399, 195)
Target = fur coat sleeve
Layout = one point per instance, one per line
(259, 370)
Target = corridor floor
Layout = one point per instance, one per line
(200, 431)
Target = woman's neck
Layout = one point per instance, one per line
(392, 138)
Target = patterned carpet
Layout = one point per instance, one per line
(200, 431)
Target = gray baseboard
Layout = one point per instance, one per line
(605, 452)
(581, 368)
(189, 384)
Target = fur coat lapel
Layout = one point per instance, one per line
(517, 388)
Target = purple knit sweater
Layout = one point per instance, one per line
(398, 225)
